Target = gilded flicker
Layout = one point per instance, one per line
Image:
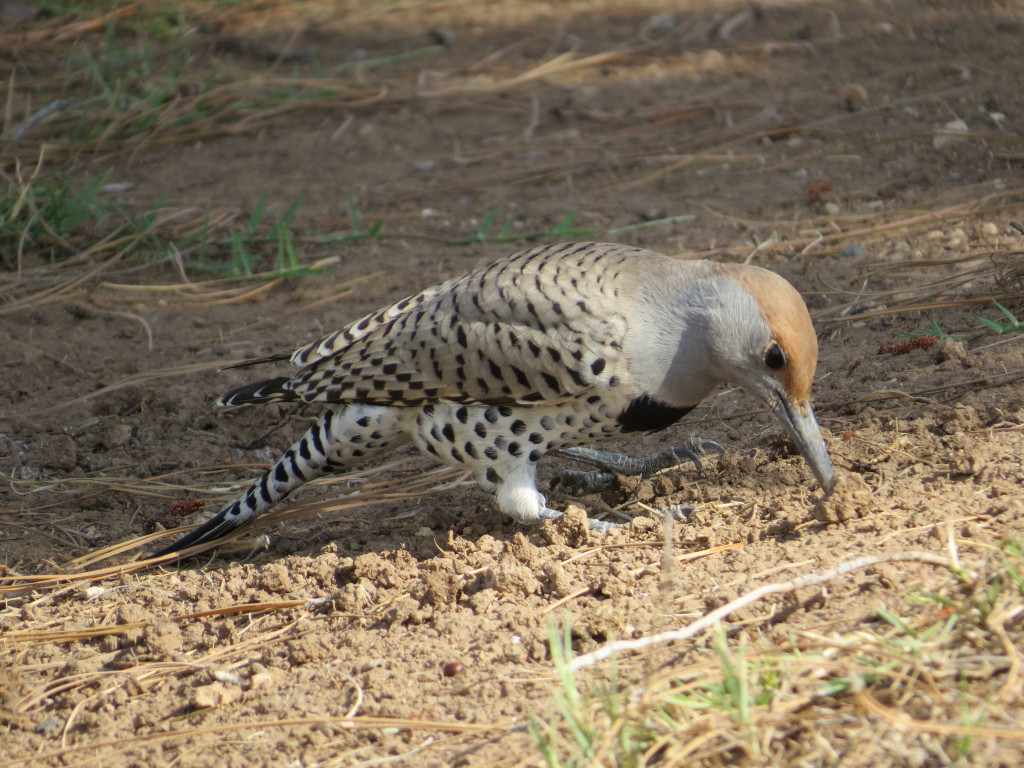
(549, 349)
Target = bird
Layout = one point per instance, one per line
(548, 350)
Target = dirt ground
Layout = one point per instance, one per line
(803, 137)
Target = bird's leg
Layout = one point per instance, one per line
(516, 493)
(610, 464)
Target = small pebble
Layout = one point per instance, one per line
(453, 668)
(854, 96)
(49, 724)
(953, 132)
(853, 249)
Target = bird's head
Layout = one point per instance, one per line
(762, 339)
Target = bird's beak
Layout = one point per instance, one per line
(803, 428)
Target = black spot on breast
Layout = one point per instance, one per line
(480, 429)
(515, 449)
(462, 414)
(518, 427)
(490, 452)
(645, 414)
(471, 451)
(597, 366)
(535, 455)
(491, 414)
(363, 421)
(505, 411)
(449, 433)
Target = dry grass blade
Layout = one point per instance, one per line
(359, 722)
(161, 373)
(561, 64)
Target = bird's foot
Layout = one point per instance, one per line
(577, 482)
(595, 526)
(610, 464)
(680, 512)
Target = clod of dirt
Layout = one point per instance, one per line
(568, 530)
(643, 526)
(276, 578)
(309, 648)
(214, 695)
(130, 613)
(601, 623)
(163, 639)
(509, 576)
(115, 434)
(13, 690)
(56, 452)
(854, 96)
(960, 456)
(557, 580)
(387, 569)
(849, 500)
(954, 355)
(441, 588)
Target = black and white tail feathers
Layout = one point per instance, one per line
(266, 391)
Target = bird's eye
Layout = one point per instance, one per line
(774, 357)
